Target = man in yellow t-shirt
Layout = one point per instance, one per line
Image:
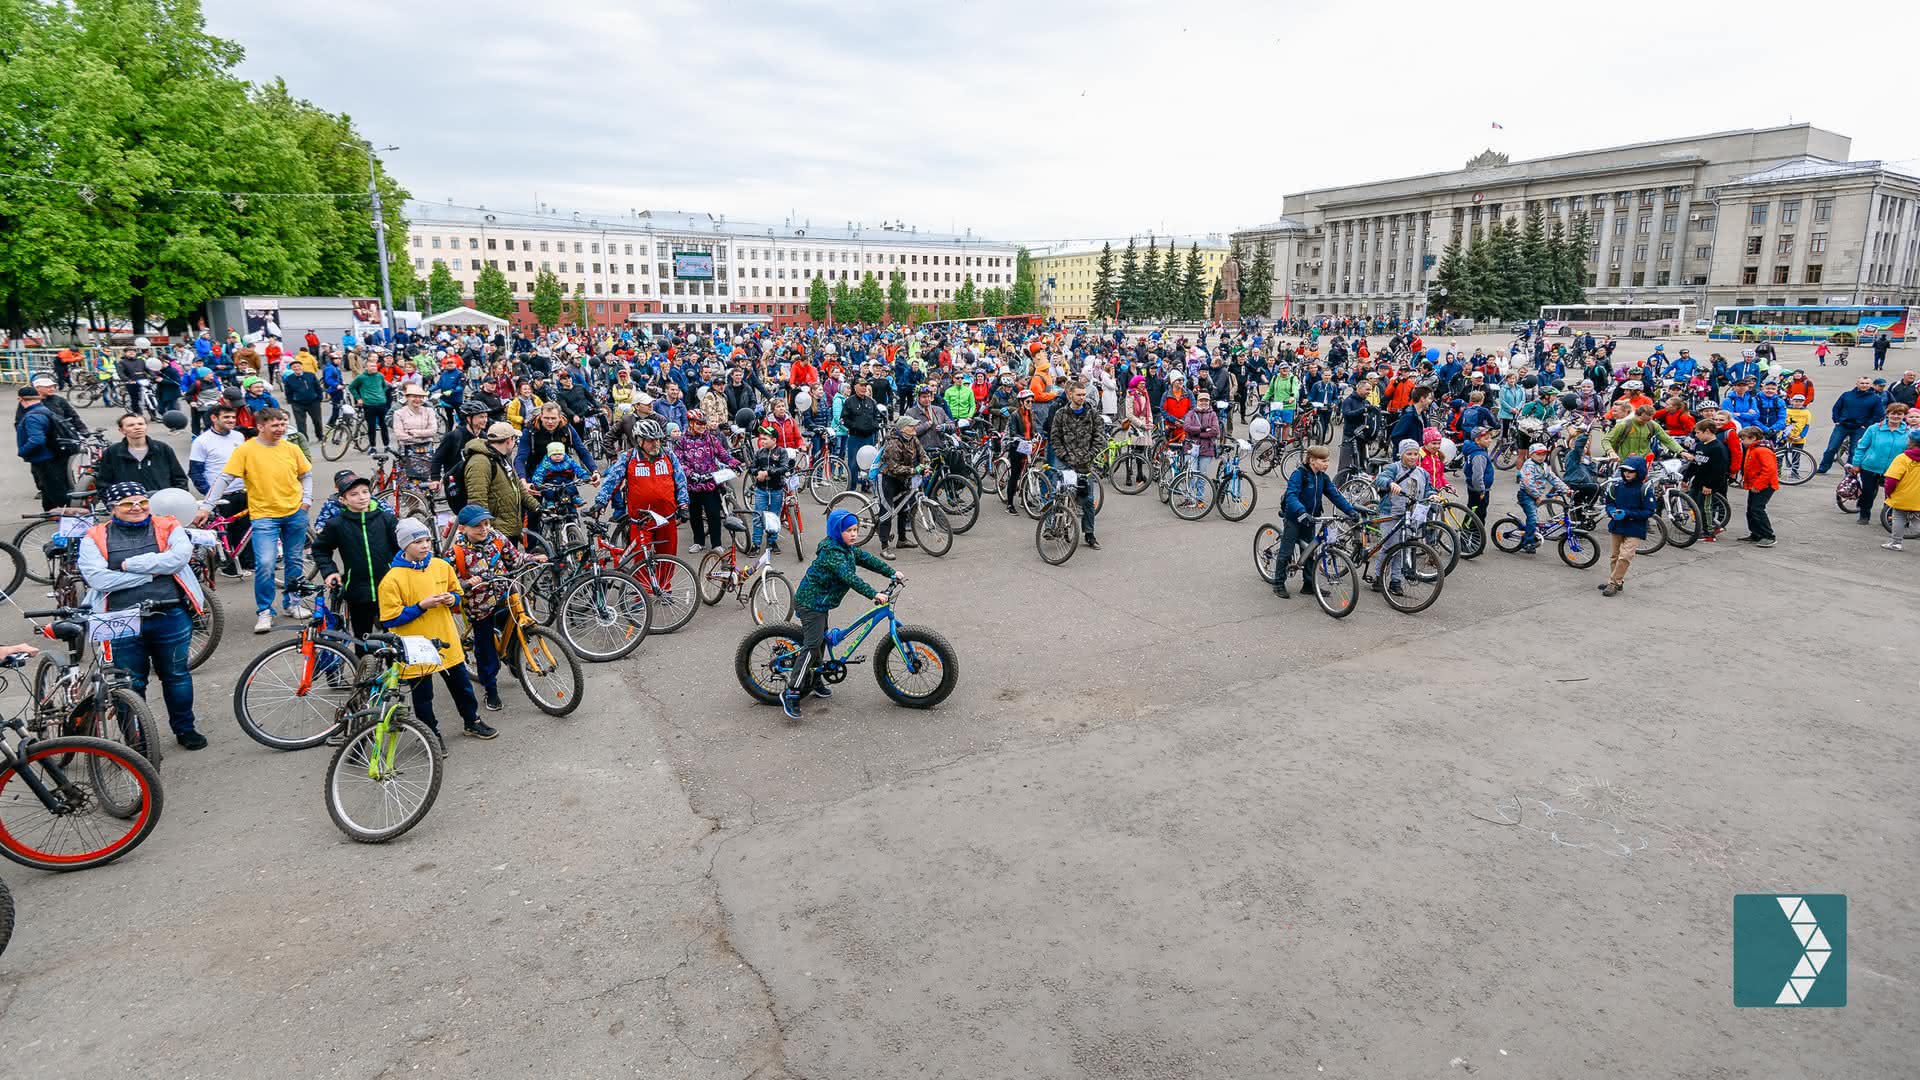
(417, 598)
(279, 481)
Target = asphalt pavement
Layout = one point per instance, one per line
(1167, 826)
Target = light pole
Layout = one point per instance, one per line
(379, 232)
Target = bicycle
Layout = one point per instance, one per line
(1554, 521)
(671, 584)
(873, 512)
(349, 432)
(1040, 480)
(295, 693)
(388, 755)
(602, 613)
(1234, 493)
(759, 587)
(51, 788)
(78, 696)
(1796, 466)
(546, 668)
(42, 527)
(1123, 463)
(1185, 491)
(921, 655)
(1341, 550)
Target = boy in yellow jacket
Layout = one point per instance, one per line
(417, 598)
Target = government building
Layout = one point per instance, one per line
(681, 270)
(1768, 216)
(1064, 274)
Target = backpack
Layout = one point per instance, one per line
(454, 483)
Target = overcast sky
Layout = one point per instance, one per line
(1039, 121)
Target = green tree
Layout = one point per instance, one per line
(899, 309)
(1152, 285)
(817, 299)
(1537, 261)
(840, 300)
(993, 302)
(1105, 289)
(492, 294)
(870, 301)
(966, 301)
(546, 303)
(1193, 287)
(443, 293)
(1130, 295)
(1025, 297)
(1256, 284)
(1171, 280)
(407, 287)
(1574, 276)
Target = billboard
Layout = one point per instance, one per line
(366, 311)
(693, 265)
(263, 321)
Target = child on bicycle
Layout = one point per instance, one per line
(557, 476)
(481, 552)
(417, 597)
(825, 584)
(1308, 485)
(362, 533)
(1799, 419)
(1402, 484)
(1537, 484)
(768, 465)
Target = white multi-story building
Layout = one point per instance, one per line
(629, 269)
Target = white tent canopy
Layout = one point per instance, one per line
(462, 316)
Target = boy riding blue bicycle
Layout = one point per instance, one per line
(829, 576)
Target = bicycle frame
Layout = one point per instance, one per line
(865, 625)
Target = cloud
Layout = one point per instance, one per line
(1026, 121)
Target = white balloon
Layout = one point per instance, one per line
(1259, 428)
(866, 457)
(802, 401)
(174, 503)
(1447, 449)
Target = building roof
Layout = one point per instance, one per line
(676, 221)
(1284, 224)
(1808, 167)
(1073, 248)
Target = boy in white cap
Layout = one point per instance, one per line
(417, 598)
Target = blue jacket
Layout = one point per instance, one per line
(1512, 397)
(1878, 445)
(1478, 466)
(1859, 408)
(1473, 418)
(1306, 489)
(1745, 369)
(1770, 412)
(330, 377)
(302, 387)
(1744, 407)
(1628, 508)
(33, 435)
(1684, 367)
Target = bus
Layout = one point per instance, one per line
(1836, 324)
(1633, 320)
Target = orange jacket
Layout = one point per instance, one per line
(1801, 386)
(1760, 470)
(1042, 385)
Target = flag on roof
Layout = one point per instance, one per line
(1497, 127)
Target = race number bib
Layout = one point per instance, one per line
(420, 650)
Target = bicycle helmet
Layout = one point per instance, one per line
(473, 408)
(648, 429)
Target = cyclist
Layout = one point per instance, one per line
(647, 479)
(362, 532)
(1401, 483)
(831, 573)
(480, 549)
(1629, 505)
(1074, 432)
(1020, 431)
(1282, 398)
(417, 597)
(900, 458)
(1308, 485)
(768, 465)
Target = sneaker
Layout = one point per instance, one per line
(1749, 539)
(1610, 589)
(1603, 585)
(775, 549)
(1280, 590)
(1394, 588)
(696, 549)
(1865, 519)
(191, 740)
(492, 701)
(1893, 545)
(1529, 549)
(908, 541)
(480, 729)
(1093, 543)
(790, 704)
(264, 623)
(299, 611)
(1011, 509)
(820, 690)
(1768, 542)
(886, 553)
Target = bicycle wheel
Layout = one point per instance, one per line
(863, 509)
(1509, 533)
(1057, 535)
(1034, 492)
(1506, 457)
(921, 672)
(548, 672)
(770, 598)
(930, 528)
(827, 478)
(673, 594)
(1422, 576)
(1266, 454)
(1656, 537)
(1846, 505)
(604, 616)
(1237, 496)
(130, 722)
(382, 781)
(993, 480)
(1266, 551)
(1336, 584)
(86, 394)
(959, 497)
(1578, 549)
(31, 542)
(410, 504)
(1681, 515)
(715, 576)
(1796, 466)
(1716, 510)
(1191, 496)
(540, 591)
(1443, 540)
(764, 658)
(13, 568)
(209, 625)
(1129, 473)
(85, 834)
(338, 438)
(293, 695)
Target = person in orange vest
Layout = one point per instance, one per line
(644, 481)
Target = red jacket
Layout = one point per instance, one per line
(1761, 470)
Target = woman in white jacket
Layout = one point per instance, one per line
(414, 423)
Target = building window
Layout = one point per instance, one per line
(1666, 251)
(1780, 275)
(1640, 253)
(1613, 279)
(1814, 274)
(419, 264)
(1703, 251)
(1662, 277)
(1783, 245)
(1645, 225)
(596, 268)
(1620, 227)
(456, 264)
(1705, 224)
(509, 243)
(492, 244)
(543, 245)
(1750, 276)
(1639, 278)
(436, 241)
(1757, 214)
(417, 242)
(1671, 222)
(1822, 210)
(594, 247)
(1817, 243)
(1673, 194)
(510, 265)
(1790, 212)
(1578, 204)
(576, 247)
(1753, 244)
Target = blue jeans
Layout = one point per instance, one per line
(856, 476)
(161, 648)
(486, 658)
(271, 537)
(1842, 436)
(458, 686)
(1532, 510)
(764, 502)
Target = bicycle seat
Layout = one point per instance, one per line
(67, 631)
(733, 525)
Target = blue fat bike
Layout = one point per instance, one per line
(915, 666)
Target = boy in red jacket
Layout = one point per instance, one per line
(1760, 475)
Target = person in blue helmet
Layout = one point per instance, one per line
(832, 572)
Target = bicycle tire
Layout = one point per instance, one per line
(1846, 505)
(1717, 510)
(1656, 537)
(6, 917)
(715, 580)
(31, 542)
(544, 661)
(1443, 539)
(1056, 536)
(298, 707)
(131, 724)
(604, 616)
(673, 595)
(13, 568)
(1266, 551)
(927, 646)
(1033, 497)
(1237, 497)
(1796, 466)
(31, 849)
(1129, 473)
(930, 528)
(770, 598)
(862, 507)
(763, 680)
(827, 479)
(1682, 517)
(1509, 534)
(86, 395)
(1190, 496)
(959, 498)
(1336, 584)
(1506, 457)
(540, 591)
(993, 481)
(1579, 549)
(354, 761)
(209, 626)
(1424, 567)
(1266, 454)
(334, 446)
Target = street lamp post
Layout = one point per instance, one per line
(379, 233)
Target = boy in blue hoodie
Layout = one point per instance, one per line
(825, 584)
(1629, 506)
